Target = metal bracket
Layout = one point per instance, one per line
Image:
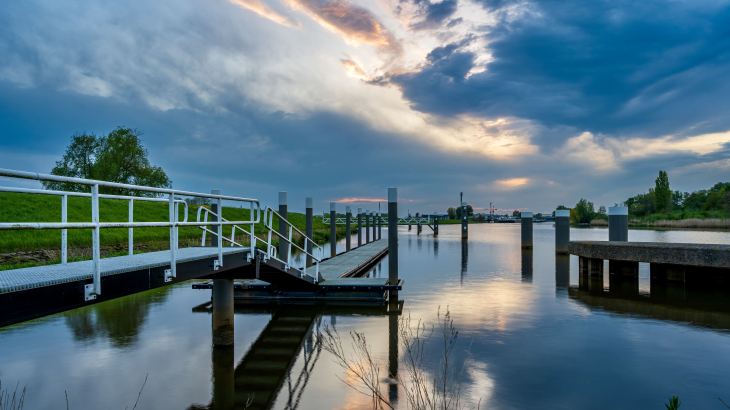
(168, 275)
(89, 292)
(216, 264)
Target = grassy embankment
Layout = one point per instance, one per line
(704, 219)
(43, 246)
(453, 221)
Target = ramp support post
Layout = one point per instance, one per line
(283, 231)
(359, 227)
(333, 230)
(393, 241)
(348, 216)
(223, 312)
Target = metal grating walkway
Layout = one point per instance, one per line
(39, 276)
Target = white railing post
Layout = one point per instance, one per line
(220, 232)
(288, 248)
(96, 240)
(64, 232)
(131, 230)
(173, 217)
(205, 219)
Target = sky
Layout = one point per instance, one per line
(525, 104)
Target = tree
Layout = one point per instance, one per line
(662, 193)
(516, 213)
(469, 211)
(118, 157)
(583, 212)
(452, 213)
(560, 207)
(602, 210)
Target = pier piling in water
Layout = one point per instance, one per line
(333, 229)
(283, 210)
(367, 227)
(436, 225)
(359, 227)
(526, 222)
(393, 240)
(310, 227)
(618, 231)
(464, 222)
(223, 312)
(380, 226)
(562, 230)
(348, 216)
(375, 236)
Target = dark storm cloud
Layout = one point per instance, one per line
(641, 68)
(431, 15)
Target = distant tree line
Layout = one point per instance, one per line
(661, 199)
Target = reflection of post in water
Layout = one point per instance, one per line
(223, 379)
(590, 283)
(562, 271)
(393, 351)
(464, 258)
(527, 265)
(435, 247)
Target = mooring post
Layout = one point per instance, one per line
(418, 226)
(348, 216)
(214, 218)
(436, 225)
(526, 222)
(223, 312)
(309, 227)
(618, 223)
(380, 226)
(409, 221)
(359, 227)
(393, 240)
(333, 230)
(464, 221)
(618, 230)
(562, 230)
(375, 236)
(283, 230)
(367, 227)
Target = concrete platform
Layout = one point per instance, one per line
(687, 254)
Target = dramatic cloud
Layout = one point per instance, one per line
(356, 24)
(264, 10)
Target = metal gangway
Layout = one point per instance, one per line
(260, 250)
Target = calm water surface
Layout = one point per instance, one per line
(530, 335)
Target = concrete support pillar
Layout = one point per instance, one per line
(223, 312)
(348, 217)
(359, 227)
(562, 230)
(590, 266)
(283, 231)
(213, 218)
(527, 264)
(590, 283)
(526, 222)
(309, 227)
(624, 268)
(623, 286)
(668, 272)
(367, 227)
(618, 223)
(333, 229)
(464, 221)
(223, 378)
(393, 240)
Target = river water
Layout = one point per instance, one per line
(529, 335)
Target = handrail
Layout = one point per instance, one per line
(91, 291)
(269, 224)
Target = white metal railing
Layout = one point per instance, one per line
(289, 239)
(96, 225)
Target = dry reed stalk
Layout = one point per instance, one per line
(599, 222)
(694, 223)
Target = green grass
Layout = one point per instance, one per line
(15, 207)
(453, 221)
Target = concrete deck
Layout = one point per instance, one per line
(686, 254)
(48, 275)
